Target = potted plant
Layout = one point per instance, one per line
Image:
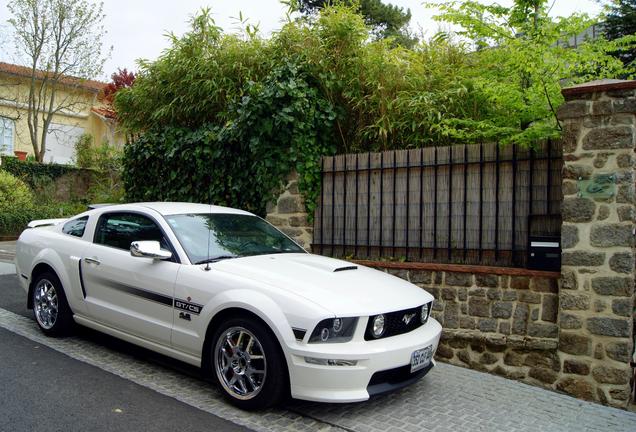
(21, 155)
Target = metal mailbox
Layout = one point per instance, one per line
(544, 253)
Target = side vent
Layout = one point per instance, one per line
(299, 334)
(339, 269)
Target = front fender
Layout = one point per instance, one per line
(258, 304)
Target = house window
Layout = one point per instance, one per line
(6, 136)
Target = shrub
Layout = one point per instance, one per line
(14, 193)
(84, 152)
(14, 220)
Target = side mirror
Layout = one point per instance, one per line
(149, 249)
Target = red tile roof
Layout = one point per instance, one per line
(22, 71)
(104, 112)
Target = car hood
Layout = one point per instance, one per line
(344, 288)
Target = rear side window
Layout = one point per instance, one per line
(75, 227)
(119, 230)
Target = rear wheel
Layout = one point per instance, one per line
(248, 364)
(51, 310)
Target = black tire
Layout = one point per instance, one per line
(275, 381)
(62, 323)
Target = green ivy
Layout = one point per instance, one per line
(34, 173)
(279, 125)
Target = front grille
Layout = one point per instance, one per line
(395, 323)
(393, 379)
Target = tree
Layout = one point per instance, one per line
(386, 20)
(620, 21)
(61, 43)
(119, 80)
(522, 59)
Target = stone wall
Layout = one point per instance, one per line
(496, 320)
(597, 293)
(288, 214)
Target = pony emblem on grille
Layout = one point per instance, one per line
(407, 318)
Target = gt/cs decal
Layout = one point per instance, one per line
(187, 306)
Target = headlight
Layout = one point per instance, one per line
(426, 309)
(334, 330)
(377, 329)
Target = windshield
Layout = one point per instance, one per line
(230, 236)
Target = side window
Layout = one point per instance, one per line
(75, 227)
(119, 230)
(6, 136)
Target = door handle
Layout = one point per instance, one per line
(92, 261)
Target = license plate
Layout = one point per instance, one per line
(421, 358)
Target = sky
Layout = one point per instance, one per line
(136, 28)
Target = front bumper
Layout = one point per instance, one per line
(353, 383)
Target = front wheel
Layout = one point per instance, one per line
(248, 364)
(51, 310)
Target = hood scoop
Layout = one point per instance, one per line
(345, 268)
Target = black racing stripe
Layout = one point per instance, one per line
(159, 298)
(81, 277)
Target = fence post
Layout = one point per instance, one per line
(596, 296)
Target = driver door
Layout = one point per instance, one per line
(131, 294)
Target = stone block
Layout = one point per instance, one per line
(530, 297)
(598, 351)
(543, 330)
(513, 358)
(276, 220)
(451, 315)
(625, 213)
(573, 109)
(291, 232)
(445, 352)
(493, 294)
(625, 194)
(621, 394)
(611, 375)
(608, 138)
(599, 305)
(477, 347)
(609, 326)
(622, 262)
(298, 221)
(448, 294)
(619, 351)
(546, 376)
(546, 285)
(623, 307)
(290, 204)
(577, 210)
(544, 360)
(509, 295)
(600, 160)
(467, 322)
(569, 188)
(478, 307)
(568, 280)
(570, 322)
(501, 309)
(549, 308)
(420, 277)
(576, 344)
(573, 171)
(487, 325)
(519, 282)
(504, 327)
(534, 314)
(292, 187)
(582, 258)
(577, 387)
(486, 280)
(625, 160)
(464, 356)
(520, 319)
(462, 293)
(577, 367)
(613, 285)
(603, 213)
(610, 235)
(459, 279)
(488, 358)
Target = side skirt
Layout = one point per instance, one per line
(161, 349)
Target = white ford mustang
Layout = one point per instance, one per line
(224, 290)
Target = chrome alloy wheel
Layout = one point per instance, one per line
(45, 304)
(240, 363)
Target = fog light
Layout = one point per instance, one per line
(330, 362)
(378, 326)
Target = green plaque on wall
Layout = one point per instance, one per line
(599, 186)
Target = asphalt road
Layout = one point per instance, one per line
(44, 390)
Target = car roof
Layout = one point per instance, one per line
(172, 208)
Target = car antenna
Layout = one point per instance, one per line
(207, 261)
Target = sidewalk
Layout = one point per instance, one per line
(7, 251)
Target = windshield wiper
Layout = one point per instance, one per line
(215, 259)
